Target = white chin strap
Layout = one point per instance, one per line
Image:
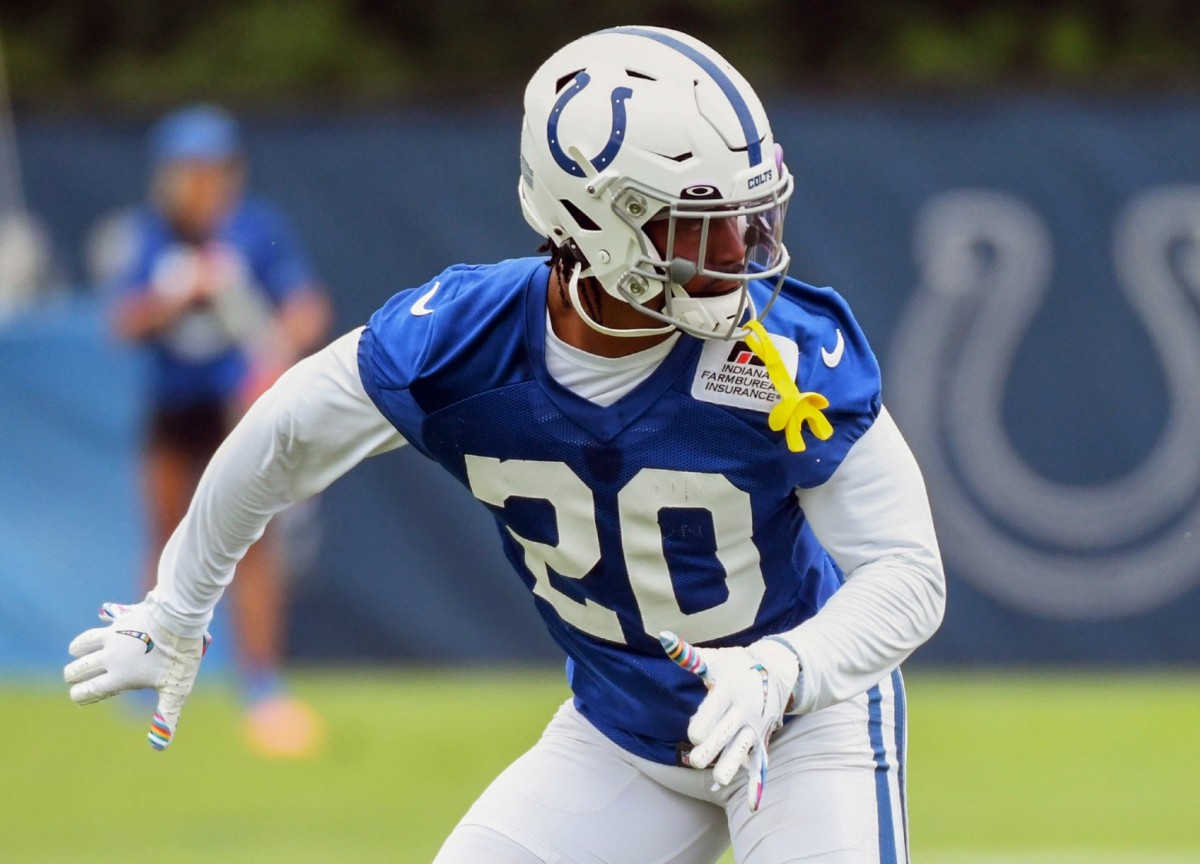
(718, 315)
(573, 293)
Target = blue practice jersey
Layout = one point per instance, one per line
(198, 359)
(672, 509)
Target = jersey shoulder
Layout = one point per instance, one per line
(259, 216)
(835, 360)
(834, 351)
(820, 319)
(262, 233)
(461, 324)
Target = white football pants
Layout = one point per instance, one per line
(834, 794)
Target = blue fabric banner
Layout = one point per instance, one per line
(1028, 270)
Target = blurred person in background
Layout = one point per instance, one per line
(726, 559)
(220, 291)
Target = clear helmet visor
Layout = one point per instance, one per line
(742, 241)
(715, 248)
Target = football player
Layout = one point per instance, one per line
(221, 293)
(690, 466)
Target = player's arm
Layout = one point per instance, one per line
(311, 427)
(297, 326)
(315, 424)
(304, 319)
(303, 312)
(873, 518)
(142, 313)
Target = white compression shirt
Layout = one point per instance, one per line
(602, 380)
(317, 423)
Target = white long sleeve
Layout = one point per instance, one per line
(311, 427)
(873, 518)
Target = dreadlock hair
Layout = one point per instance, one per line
(563, 260)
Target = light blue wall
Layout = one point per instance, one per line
(70, 523)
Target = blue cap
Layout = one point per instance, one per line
(199, 132)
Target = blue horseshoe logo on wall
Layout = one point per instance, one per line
(616, 136)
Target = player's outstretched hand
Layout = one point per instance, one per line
(133, 653)
(748, 693)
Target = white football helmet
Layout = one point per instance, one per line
(638, 123)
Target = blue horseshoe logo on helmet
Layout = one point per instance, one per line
(616, 136)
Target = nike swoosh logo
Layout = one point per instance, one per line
(144, 637)
(420, 307)
(834, 357)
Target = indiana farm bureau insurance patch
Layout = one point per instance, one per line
(730, 374)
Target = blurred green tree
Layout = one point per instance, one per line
(142, 54)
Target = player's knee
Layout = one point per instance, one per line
(471, 844)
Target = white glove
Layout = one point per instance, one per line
(134, 652)
(748, 692)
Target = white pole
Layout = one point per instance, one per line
(24, 250)
(12, 197)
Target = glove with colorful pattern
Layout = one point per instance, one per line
(748, 692)
(135, 652)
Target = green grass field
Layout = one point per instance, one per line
(1051, 769)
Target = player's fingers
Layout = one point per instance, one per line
(87, 667)
(734, 755)
(94, 689)
(709, 746)
(87, 642)
(757, 770)
(161, 732)
(684, 653)
(711, 711)
(166, 719)
(109, 612)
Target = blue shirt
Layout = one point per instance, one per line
(671, 509)
(199, 358)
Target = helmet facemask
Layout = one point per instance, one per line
(691, 226)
